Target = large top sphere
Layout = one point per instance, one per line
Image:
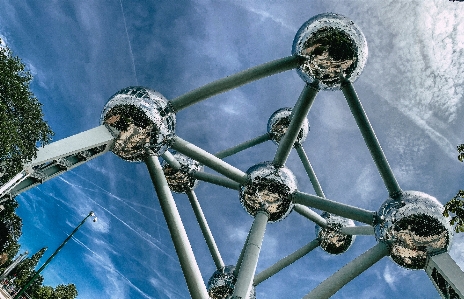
(139, 115)
(414, 227)
(332, 46)
(278, 124)
(269, 188)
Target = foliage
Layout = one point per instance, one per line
(22, 127)
(61, 291)
(10, 229)
(456, 204)
(23, 273)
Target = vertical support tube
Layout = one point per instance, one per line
(299, 113)
(369, 137)
(286, 261)
(309, 170)
(251, 255)
(205, 229)
(243, 146)
(179, 237)
(234, 81)
(348, 272)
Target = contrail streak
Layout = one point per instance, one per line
(100, 260)
(129, 42)
(121, 221)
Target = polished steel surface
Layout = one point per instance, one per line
(332, 46)
(222, 283)
(139, 115)
(330, 238)
(414, 227)
(269, 188)
(181, 180)
(278, 124)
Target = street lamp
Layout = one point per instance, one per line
(91, 214)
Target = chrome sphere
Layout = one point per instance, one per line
(330, 237)
(181, 180)
(269, 188)
(278, 124)
(138, 114)
(414, 227)
(221, 285)
(332, 46)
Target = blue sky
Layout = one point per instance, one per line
(82, 52)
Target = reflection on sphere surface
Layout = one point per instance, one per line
(181, 180)
(222, 283)
(332, 46)
(137, 113)
(330, 238)
(269, 188)
(414, 227)
(278, 124)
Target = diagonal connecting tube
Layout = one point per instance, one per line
(298, 115)
(234, 81)
(286, 261)
(208, 159)
(205, 229)
(334, 207)
(348, 272)
(243, 146)
(179, 237)
(369, 137)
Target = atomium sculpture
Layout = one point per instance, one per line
(329, 53)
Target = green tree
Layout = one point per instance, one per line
(456, 205)
(23, 273)
(22, 127)
(61, 291)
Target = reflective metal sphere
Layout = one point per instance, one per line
(221, 285)
(139, 116)
(181, 180)
(414, 227)
(278, 124)
(330, 238)
(332, 46)
(269, 188)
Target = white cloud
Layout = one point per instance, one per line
(416, 62)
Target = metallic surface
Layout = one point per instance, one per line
(269, 188)
(332, 46)
(234, 81)
(246, 269)
(414, 227)
(177, 231)
(222, 283)
(139, 115)
(348, 272)
(330, 238)
(181, 180)
(278, 124)
(370, 139)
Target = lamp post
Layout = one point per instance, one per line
(53, 255)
